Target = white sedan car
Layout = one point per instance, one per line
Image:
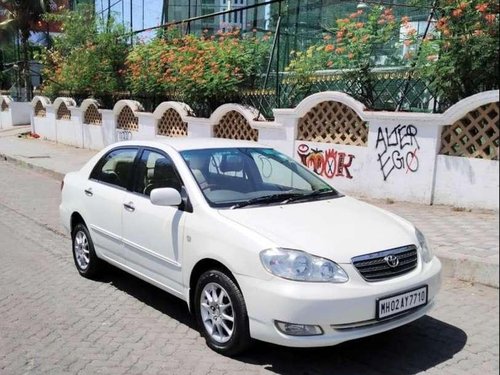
(257, 245)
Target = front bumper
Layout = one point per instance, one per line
(344, 311)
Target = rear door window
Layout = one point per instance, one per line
(116, 167)
(155, 170)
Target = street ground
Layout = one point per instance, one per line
(54, 321)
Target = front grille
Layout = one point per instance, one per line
(386, 264)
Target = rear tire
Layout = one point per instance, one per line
(221, 313)
(86, 261)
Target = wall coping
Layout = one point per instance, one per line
(313, 100)
(88, 102)
(134, 105)
(42, 99)
(454, 113)
(181, 108)
(252, 115)
(464, 106)
(69, 102)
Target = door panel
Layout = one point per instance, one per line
(104, 211)
(152, 235)
(103, 195)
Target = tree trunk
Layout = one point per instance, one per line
(26, 66)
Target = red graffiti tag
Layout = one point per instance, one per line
(329, 163)
(412, 163)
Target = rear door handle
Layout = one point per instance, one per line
(89, 192)
(129, 206)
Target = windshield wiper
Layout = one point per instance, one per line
(266, 199)
(316, 193)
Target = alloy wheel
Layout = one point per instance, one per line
(217, 312)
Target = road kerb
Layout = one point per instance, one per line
(25, 164)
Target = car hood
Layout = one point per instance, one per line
(337, 229)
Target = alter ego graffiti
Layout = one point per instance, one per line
(329, 163)
(397, 149)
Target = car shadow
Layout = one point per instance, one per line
(149, 294)
(407, 350)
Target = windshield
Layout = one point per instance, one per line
(237, 177)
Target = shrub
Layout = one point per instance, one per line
(197, 69)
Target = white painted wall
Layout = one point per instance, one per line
(93, 136)
(19, 113)
(70, 132)
(147, 126)
(466, 182)
(108, 127)
(400, 160)
(199, 127)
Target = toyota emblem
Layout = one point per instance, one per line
(392, 260)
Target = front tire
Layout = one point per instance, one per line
(86, 261)
(221, 313)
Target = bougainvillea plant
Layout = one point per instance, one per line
(461, 55)
(458, 55)
(354, 43)
(197, 69)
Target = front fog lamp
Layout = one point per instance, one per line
(294, 329)
(301, 266)
(424, 247)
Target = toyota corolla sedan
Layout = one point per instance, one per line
(257, 245)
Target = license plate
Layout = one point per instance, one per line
(399, 303)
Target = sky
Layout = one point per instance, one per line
(143, 17)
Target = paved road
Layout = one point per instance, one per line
(53, 321)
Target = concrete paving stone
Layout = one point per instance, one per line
(53, 321)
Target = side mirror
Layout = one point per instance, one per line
(165, 197)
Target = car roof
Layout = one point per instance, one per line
(184, 143)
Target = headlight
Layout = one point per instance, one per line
(424, 247)
(301, 266)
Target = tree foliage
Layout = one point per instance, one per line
(88, 57)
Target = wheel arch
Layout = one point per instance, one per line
(76, 218)
(202, 266)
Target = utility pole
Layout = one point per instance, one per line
(131, 25)
(109, 14)
(164, 12)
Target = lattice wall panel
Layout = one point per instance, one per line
(333, 122)
(5, 106)
(127, 120)
(92, 116)
(475, 135)
(233, 125)
(63, 113)
(171, 124)
(40, 110)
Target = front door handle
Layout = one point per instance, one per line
(129, 206)
(89, 192)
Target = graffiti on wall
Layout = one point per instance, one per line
(124, 135)
(397, 149)
(328, 163)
